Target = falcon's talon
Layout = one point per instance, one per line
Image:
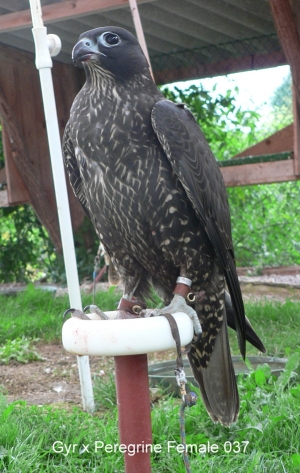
(68, 311)
(92, 308)
(76, 313)
(145, 313)
(178, 304)
(156, 312)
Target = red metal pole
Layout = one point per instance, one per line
(134, 411)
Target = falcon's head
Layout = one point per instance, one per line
(111, 50)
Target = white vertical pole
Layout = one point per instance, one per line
(139, 30)
(44, 64)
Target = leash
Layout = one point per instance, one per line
(188, 399)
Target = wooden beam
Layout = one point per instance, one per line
(286, 14)
(259, 173)
(60, 11)
(2, 176)
(139, 30)
(16, 189)
(222, 67)
(279, 142)
(295, 5)
(287, 31)
(296, 109)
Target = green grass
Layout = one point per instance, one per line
(35, 313)
(268, 428)
(265, 439)
(276, 323)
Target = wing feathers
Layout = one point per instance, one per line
(73, 170)
(199, 173)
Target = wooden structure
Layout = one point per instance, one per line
(27, 162)
(27, 171)
(286, 14)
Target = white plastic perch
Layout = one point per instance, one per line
(124, 336)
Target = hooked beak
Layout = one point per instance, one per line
(84, 51)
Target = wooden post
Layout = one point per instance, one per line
(288, 36)
(285, 19)
(16, 188)
(134, 411)
(296, 109)
(139, 30)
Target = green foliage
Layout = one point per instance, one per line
(262, 440)
(20, 349)
(282, 104)
(25, 248)
(227, 127)
(282, 96)
(281, 111)
(86, 246)
(28, 254)
(264, 224)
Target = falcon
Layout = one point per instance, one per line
(146, 177)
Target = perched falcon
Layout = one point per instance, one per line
(146, 177)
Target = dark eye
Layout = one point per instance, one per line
(110, 39)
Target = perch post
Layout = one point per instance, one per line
(129, 341)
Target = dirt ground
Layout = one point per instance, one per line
(55, 380)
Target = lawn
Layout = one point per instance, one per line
(266, 437)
